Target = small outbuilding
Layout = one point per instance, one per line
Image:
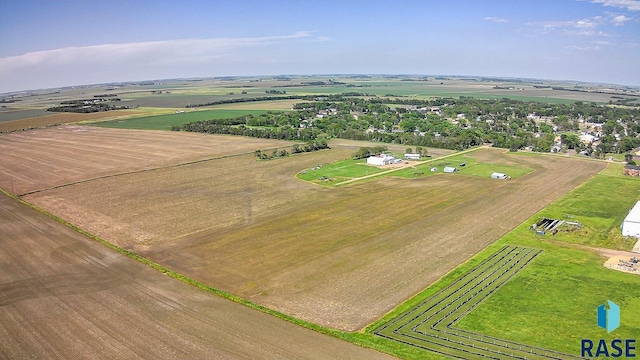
(412, 156)
(632, 170)
(450, 169)
(497, 175)
(434, 169)
(631, 224)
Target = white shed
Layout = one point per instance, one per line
(412, 156)
(450, 169)
(380, 160)
(497, 175)
(631, 224)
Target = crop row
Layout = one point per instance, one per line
(431, 325)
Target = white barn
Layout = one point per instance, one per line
(412, 156)
(380, 160)
(631, 224)
(450, 169)
(497, 175)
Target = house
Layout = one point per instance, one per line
(631, 224)
(631, 170)
(380, 160)
(450, 169)
(497, 175)
(587, 139)
(412, 156)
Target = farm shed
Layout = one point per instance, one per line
(450, 169)
(497, 175)
(412, 156)
(631, 224)
(380, 160)
(434, 169)
(632, 170)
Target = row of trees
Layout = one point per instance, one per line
(365, 152)
(237, 127)
(458, 124)
(309, 146)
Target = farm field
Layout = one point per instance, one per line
(432, 323)
(63, 295)
(551, 303)
(44, 158)
(251, 228)
(59, 118)
(166, 121)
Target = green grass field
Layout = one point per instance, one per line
(472, 167)
(552, 302)
(345, 170)
(339, 171)
(165, 122)
(601, 205)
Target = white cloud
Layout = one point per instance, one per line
(619, 20)
(588, 23)
(583, 48)
(496, 19)
(139, 60)
(631, 5)
(582, 27)
(196, 49)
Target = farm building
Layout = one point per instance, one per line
(450, 169)
(632, 170)
(380, 160)
(434, 169)
(497, 175)
(412, 156)
(631, 224)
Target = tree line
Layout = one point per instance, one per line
(451, 123)
(309, 146)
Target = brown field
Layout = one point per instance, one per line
(64, 296)
(44, 158)
(339, 257)
(60, 118)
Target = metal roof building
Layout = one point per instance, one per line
(631, 224)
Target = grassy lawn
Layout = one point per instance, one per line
(164, 122)
(552, 303)
(472, 167)
(601, 205)
(338, 171)
(344, 170)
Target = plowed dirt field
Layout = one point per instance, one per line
(340, 257)
(64, 296)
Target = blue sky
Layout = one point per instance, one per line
(47, 44)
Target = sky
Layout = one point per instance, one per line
(47, 44)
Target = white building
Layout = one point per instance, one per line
(631, 224)
(497, 175)
(412, 156)
(380, 160)
(450, 169)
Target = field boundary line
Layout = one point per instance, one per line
(138, 172)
